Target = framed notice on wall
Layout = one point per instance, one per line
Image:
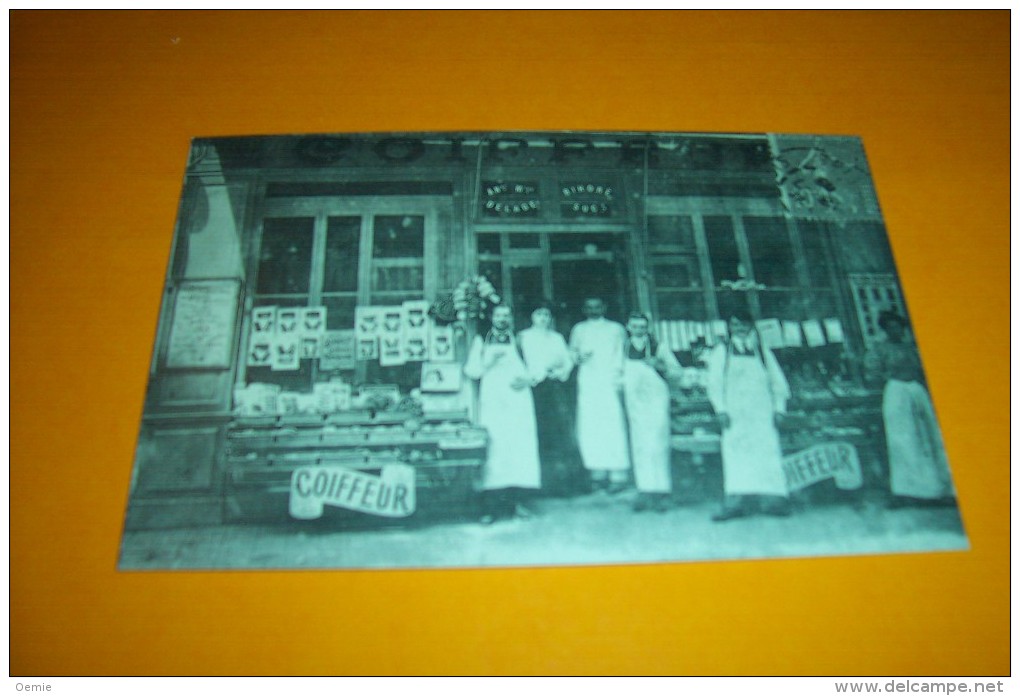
(202, 330)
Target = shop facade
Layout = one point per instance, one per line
(328, 235)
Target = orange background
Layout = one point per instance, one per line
(102, 109)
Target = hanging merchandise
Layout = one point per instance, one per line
(416, 330)
(441, 343)
(770, 332)
(834, 330)
(813, 333)
(791, 334)
(367, 327)
(391, 337)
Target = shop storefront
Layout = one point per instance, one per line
(322, 292)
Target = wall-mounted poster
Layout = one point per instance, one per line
(537, 348)
(202, 332)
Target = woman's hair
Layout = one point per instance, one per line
(639, 315)
(543, 304)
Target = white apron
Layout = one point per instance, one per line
(752, 459)
(509, 417)
(646, 395)
(917, 461)
(601, 429)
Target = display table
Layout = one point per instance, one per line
(264, 452)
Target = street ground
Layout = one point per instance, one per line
(592, 529)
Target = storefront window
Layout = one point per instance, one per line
(286, 260)
(723, 253)
(338, 262)
(771, 252)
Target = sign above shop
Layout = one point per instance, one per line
(587, 200)
(513, 199)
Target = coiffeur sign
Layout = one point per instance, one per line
(388, 495)
(835, 460)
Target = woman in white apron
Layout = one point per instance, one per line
(918, 468)
(646, 397)
(507, 411)
(748, 391)
(550, 364)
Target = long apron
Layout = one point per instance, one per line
(646, 395)
(601, 428)
(917, 459)
(751, 454)
(509, 417)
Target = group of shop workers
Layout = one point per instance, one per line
(622, 417)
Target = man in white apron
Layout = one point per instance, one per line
(646, 396)
(597, 348)
(507, 411)
(748, 391)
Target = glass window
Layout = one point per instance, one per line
(678, 273)
(398, 236)
(339, 312)
(402, 277)
(680, 305)
(812, 235)
(771, 251)
(670, 234)
(343, 241)
(722, 249)
(285, 260)
(523, 240)
(488, 244)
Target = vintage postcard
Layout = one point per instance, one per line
(465, 349)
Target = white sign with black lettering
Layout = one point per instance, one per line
(391, 494)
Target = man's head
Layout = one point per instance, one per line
(594, 308)
(502, 317)
(637, 325)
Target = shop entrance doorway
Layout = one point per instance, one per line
(563, 268)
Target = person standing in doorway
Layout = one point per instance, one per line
(918, 467)
(647, 367)
(748, 390)
(597, 348)
(506, 410)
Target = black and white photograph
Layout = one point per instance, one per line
(477, 349)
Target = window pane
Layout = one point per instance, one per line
(339, 312)
(722, 249)
(525, 241)
(729, 301)
(392, 278)
(681, 305)
(285, 260)
(678, 273)
(771, 251)
(343, 240)
(670, 234)
(488, 244)
(399, 236)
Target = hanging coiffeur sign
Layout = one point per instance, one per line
(832, 460)
(587, 199)
(391, 494)
(510, 199)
